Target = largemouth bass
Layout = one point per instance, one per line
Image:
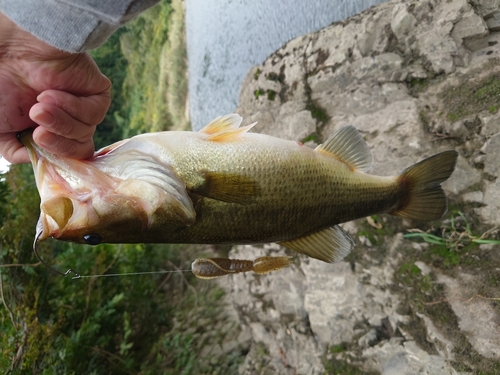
(224, 185)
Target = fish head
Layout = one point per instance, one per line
(120, 195)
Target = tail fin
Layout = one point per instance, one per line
(423, 198)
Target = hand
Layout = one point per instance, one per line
(64, 93)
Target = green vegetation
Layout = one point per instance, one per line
(271, 94)
(418, 84)
(453, 237)
(317, 112)
(258, 92)
(257, 74)
(314, 137)
(146, 61)
(147, 324)
(453, 247)
(472, 97)
(152, 324)
(336, 363)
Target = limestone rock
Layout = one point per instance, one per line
(477, 317)
(415, 78)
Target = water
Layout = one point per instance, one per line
(225, 38)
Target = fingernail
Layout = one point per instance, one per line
(47, 140)
(46, 98)
(43, 118)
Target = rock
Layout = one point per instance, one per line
(491, 210)
(464, 177)
(395, 357)
(493, 21)
(492, 162)
(491, 125)
(471, 26)
(444, 346)
(332, 323)
(486, 7)
(403, 22)
(473, 197)
(477, 318)
(424, 268)
(415, 78)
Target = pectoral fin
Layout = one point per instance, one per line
(226, 187)
(329, 245)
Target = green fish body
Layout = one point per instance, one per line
(224, 185)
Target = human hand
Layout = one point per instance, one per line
(64, 93)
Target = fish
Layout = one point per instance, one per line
(226, 185)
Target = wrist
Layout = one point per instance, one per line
(16, 42)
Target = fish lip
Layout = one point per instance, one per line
(22, 135)
(26, 138)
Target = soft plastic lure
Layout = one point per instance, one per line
(209, 268)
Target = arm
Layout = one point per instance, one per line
(44, 82)
(64, 93)
(73, 25)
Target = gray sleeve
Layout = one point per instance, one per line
(73, 25)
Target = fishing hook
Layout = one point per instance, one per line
(35, 243)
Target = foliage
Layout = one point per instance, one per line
(51, 324)
(453, 237)
(471, 97)
(61, 325)
(146, 61)
(113, 65)
(155, 84)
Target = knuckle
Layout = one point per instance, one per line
(67, 148)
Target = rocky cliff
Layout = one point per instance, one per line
(416, 78)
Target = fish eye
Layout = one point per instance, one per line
(92, 239)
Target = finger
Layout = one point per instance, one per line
(59, 122)
(87, 109)
(12, 150)
(60, 145)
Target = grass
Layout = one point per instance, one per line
(454, 238)
(472, 97)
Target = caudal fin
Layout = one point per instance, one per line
(423, 198)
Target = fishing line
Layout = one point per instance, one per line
(78, 276)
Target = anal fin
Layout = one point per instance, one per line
(329, 245)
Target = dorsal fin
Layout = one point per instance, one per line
(348, 146)
(225, 128)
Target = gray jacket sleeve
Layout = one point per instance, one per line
(73, 25)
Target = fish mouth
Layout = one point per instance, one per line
(64, 190)
(117, 196)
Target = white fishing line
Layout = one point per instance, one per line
(78, 276)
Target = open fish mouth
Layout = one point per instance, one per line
(88, 201)
(66, 197)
